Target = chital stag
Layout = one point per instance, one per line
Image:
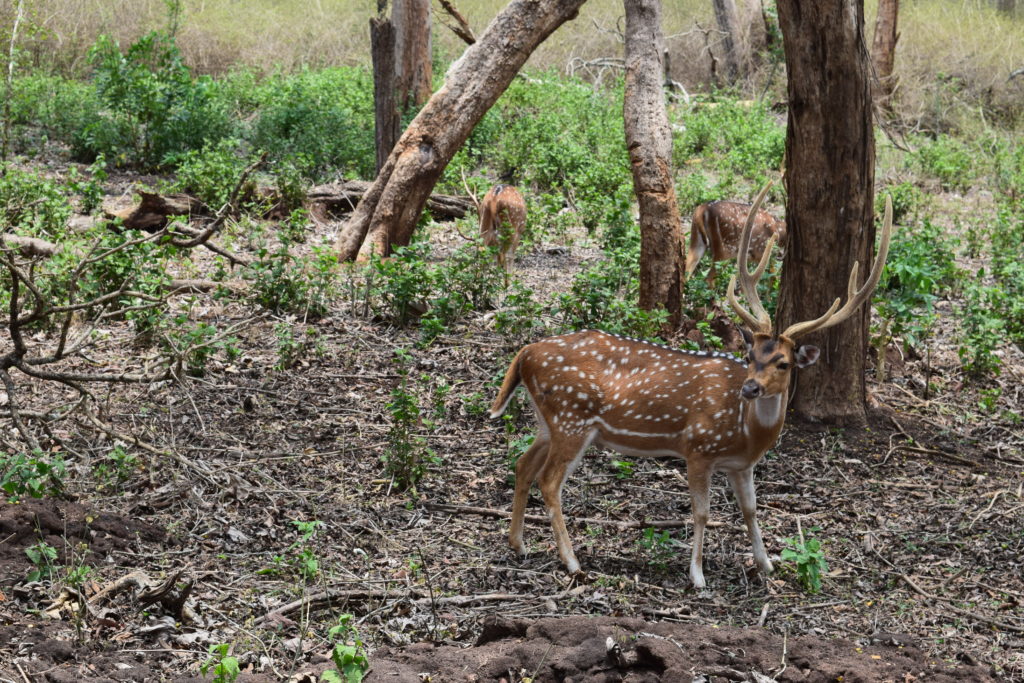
(719, 225)
(717, 412)
(502, 221)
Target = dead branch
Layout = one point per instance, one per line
(962, 612)
(502, 514)
(461, 27)
(330, 598)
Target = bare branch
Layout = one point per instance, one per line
(461, 27)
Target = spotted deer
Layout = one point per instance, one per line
(502, 221)
(719, 225)
(717, 412)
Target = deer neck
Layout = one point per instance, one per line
(764, 417)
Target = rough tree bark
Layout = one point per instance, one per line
(830, 154)
(387, 122)
(413, 71)
(883, 51)
(387, 213)
(729, 25)
(649, 142)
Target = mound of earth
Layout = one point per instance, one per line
(63, 526)
(581, 648)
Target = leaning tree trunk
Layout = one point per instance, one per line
(830, 155)
(386, 216)
(649, 142)
(883, 52)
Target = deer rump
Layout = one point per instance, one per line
(502, 221)
(719, 225)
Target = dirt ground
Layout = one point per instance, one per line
(921, 517)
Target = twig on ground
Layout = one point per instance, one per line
(962, 612)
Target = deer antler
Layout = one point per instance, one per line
(757, 318)
(854, 297)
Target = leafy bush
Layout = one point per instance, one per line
(907, 200)
(284, 283)
(153, 108)
(212, 172)
(742, 138)
(920, 268)
(32, 204)
(946, 159)
(32, 475)
(320, 120)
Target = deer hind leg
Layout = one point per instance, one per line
(742, 483)
(565, 453)
(527, 467)
(699, 480)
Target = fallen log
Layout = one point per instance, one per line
(332, 201)
(153, 211)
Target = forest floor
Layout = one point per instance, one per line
(920, 516)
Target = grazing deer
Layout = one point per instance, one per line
(502, 221)
(717, 412)
(718, 225)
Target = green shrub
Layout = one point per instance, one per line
(302, 285)
(946, 159)
(212, 172)
(907, 200)
(920, 268)
(32, 204)
(32, 475)
(320, 120)
(732, 137)
(153, 108)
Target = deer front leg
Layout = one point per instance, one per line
(742, 483)
(526, 473)
(699, 480)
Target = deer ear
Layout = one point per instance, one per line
(747, 337)
(807, 355)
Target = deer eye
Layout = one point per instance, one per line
(783, 366)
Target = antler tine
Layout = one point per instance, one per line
(757, 319)
(854, 297)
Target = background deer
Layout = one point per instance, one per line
(717, 412)
(719, 225)
(502, 221)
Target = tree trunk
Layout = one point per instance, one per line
(386, 216)
(649, 142)
(413, 71)
(385, 108)
(830, 155)
(728, 24)
(883, 52)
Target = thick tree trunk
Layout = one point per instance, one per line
(413, 71)
(385, 107)
(830, 155)
(883, 52)
(729, 25)
(387, 213)
(649, 142)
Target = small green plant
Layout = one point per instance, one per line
(988, 399)
(407, 456)
(32, 475)
(292, 347)
(116, 467)
(348, 653)
(223, 666)
(301, 285)
(306, 561)
(195, 344)
(659, 547)
(42, 555)
(809, 559)
(948, 160)
(624, 469)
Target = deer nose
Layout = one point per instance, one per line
(751, 389)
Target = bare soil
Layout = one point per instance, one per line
(920, 516)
